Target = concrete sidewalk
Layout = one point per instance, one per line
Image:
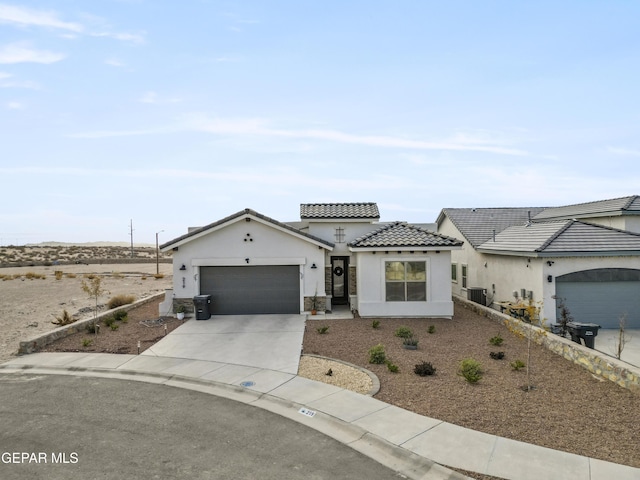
(399, 439)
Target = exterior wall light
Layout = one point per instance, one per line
(183, 267)
(313, 265)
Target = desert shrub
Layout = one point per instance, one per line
(471, 370)
(114, 326)
(120, 300)
(424, 369)
(393, 368)
(87, 342)
(377, 354)
(322, 330)
(432, 329)
(64, 319)
(517, 365)
(403, 332)
(33, 276)
(497, 355)
(89, 276)
(91, 327)
(375, 324)
(497, 340)
(71, 275)
(58, 274)
(158, 276)
(108, 321)
(410, 341)
(120, 315)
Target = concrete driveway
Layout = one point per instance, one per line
(272, 342)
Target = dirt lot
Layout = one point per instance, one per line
(29, 304)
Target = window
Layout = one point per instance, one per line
(339, 235)
(464, 276)
(405, 281)
(454, 272)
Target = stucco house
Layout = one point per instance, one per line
(586, 254)
(339, 253)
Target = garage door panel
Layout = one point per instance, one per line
(252, 289)
(602, 303)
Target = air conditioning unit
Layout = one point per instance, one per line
(477, 295)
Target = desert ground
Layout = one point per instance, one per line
(31, 297)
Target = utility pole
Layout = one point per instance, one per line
(158, 254)
(131, 234)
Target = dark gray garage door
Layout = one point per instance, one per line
(602, 296)
(252, 289)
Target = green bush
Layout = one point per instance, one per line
(471, 370)
(91, 327)
(377, 354)
(497, 340)
(375, 324)
(322, 330)
(404, 332)
(120, 300)
(432, 329)
(393, 368)
(108, 321)
(86, 342)
(424, 369)
(410, 341)
(517, 365)
(114, 326)
(120, 315)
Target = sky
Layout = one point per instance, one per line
(163, 115)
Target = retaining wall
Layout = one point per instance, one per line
(43, 339)
(596, 362)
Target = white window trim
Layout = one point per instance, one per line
(464, 277)
(427, 267)
(454, 265)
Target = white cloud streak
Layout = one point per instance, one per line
(23, 53)
(23, 16)
(624, 151)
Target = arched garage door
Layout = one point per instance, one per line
(602, 296)
(252, 289)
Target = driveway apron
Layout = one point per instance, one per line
(271, 342)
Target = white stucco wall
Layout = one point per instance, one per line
(264, 245)
(371, 285)
(352, 230)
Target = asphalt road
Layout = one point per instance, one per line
(60, 427)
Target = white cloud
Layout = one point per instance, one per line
(152, 97)
(23, 53)
(114, 62)
(624, 151)
(125, 37)
(28, 17)
(15, 106)
(7, 81)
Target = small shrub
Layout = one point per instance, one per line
(58, 274)
(120, 315)
(432, 329)
(89, 276)
(497, 355)
(375, 324)
(322, 330)
(517, 365)
(403, 332)
(70, 275)
(110, 320)
(377, 354)
(471, 370)
(497, 340)
(393, 368)
(87, 342)
(410, 341)
(91, 327)
(158, 276)
(114, 326)
(424, 369)
(120, 300)
(64, 319)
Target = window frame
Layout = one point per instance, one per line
(407, 282)
(464, 274)
(454, 272)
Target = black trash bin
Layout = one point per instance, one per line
(584, 331)
(202, 307)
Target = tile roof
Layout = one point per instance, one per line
(477, 225)
(401, 234)
(241, 213)
(339, 210)
(618, 206)
(563, 237)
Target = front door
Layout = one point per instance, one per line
(340, 280)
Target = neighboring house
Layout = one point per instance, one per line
(586, 254)
(339, 253)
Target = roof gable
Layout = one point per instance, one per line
(243, 214)
(478, 225)
(563, 238)
(401, 234)
(330, 211)
(618, 206)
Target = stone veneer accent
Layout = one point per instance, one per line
(353, 284)
(596, 362)
(322, 304)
